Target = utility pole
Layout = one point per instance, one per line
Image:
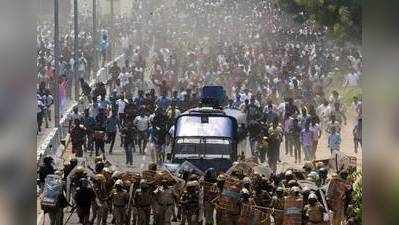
(76, 48)
(110, 29)
(94, 33)
(56, 67)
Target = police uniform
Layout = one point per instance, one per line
(190, 204)
(278, 206)
(120, 199)
(142, 202)
(314, 214)
(165, 204)
(210, 192)
(100, 207)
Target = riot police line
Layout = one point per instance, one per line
(248, 193)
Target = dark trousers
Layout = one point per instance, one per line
(111, 140)
(89, 141)
(84, 215)
(129, 146)
(77, 149)
(39, 118)
(295, 146)
(56, 216)
(99, 145)
(272, 155)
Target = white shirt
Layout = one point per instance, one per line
(124, 79)
(142, 123)
(352, 80)
(323, 111)
(121, 105)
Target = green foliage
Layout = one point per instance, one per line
(342, 17)
(357, 196)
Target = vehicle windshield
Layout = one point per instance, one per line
(204, 126)
(203, 148)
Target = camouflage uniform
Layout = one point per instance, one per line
(100, 206)
(314, 214)
(190, 204)
(120, 199)
(210, 192)
(165, 204)
(142, 202)
(278, 206)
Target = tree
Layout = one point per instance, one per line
(343, 18)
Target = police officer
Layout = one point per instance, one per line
(220, 185)
(100, 208)
(210, 192)
(84, 198)
(45, 169)
(165, 198)
(143, 201)
(313, 211)
(120, 199)
(278, 206)
(78, 174)
(190, 203)
(56, 213)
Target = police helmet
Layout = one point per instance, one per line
(100, 178)
(323, 173)
(307, 167)
(280, 190)
(221, 177)
(84, 182)
(152, 166)
(193, 177)
(210, 172)
(192, 184)
(312, 198)
(143, 184)
(313, 176)
(289, 175)
(246, 180)
(118, 183)
(80, 170)
(295, 190)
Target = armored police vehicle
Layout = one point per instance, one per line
(206, 136)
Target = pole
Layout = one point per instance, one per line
(110, 30)
(75, 47)
(56, 67)
(95, 59)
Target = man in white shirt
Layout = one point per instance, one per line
(142, 123)
(351, 80)
(124, 79)
(323, 111)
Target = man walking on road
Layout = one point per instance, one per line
(128, 133)
(111, 128)
(334, 140)
(142, 123)
(307, 138)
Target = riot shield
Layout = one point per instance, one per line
(52, 189)
(293, 207)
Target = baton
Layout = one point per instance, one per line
(69, 217)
